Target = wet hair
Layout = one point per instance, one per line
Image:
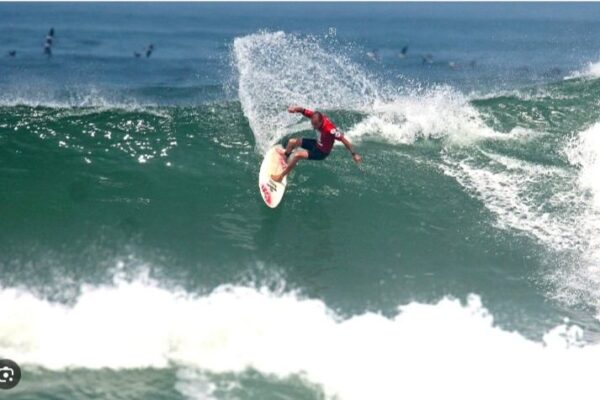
(319, 115)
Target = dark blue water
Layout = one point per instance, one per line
(472, 46)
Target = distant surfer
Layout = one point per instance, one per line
(50, 36)
(149, 50)
(49, 42)
(403, 52)
(313, 149)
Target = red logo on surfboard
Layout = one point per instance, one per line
(266, 193)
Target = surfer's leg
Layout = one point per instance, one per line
(291, 145)
(302, 154)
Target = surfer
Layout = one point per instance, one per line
(403, 52)
(149, 50)
(314, 149)
(49, 42)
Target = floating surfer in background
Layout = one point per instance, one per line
(314, 149)
(50, 36)
(149, 50)
(49, 42)
(403, 52)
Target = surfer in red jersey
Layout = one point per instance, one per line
(314, 149)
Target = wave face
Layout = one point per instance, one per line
(137, 259)
(479, 146)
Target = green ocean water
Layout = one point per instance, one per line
(137, 259)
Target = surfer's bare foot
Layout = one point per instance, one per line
(277, 177)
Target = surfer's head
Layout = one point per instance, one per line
(317, 120)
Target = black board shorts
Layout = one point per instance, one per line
(314, 153)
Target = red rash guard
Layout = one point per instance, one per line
(328, 133)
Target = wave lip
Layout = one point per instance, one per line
(437, 113)
(584, 152)
(44, 95)
(591, 70)
(426, 351)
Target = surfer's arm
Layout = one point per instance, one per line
(355, 156)
(304, 111)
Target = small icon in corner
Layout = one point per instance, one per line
(10, 374)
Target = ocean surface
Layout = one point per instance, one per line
(460, 260)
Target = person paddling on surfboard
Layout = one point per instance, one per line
(314, 149)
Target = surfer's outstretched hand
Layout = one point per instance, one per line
(357, 158)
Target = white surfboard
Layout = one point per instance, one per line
(271, 191)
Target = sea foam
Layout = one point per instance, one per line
(449, 349)
(591, 70)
